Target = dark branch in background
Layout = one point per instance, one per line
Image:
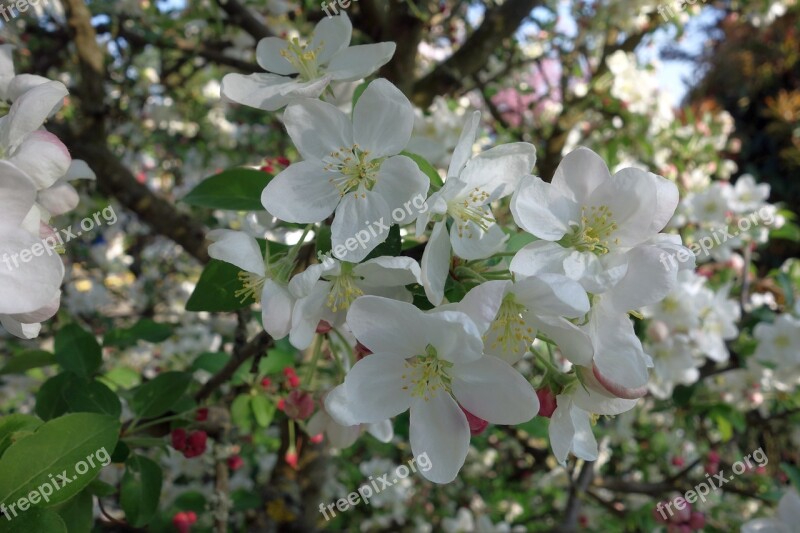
(89, 142)
(499, 24)
(576, 490)
(257, 345)
(243, 18)
(406, 30)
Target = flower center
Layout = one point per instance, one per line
(354, 167)
(593, 231)
(508, 328)
(343, 291)
(304, 60)
(470, 209)
(426, 375)
(782, 341)
(252, 285)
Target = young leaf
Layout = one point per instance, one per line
(78, 351)
(141, 490)
(157, 396)
(236, 189)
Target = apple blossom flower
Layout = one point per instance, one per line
(298, 69)
(472, 184)
(326, 290)
(785, 521)
(779, 343)
(587, 218)
(431, 363)
(509, 316)
(341, 436)
(260, 279)
(352, 168)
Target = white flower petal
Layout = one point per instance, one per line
(491, 389)
(439, 429)
(360, 61)
(237, 248)
(574, 343)
(618, 352)
(301, 193)
(580, 173)
(404, 187)
(373, 388)
(553, 294)
(463, 150)
(387, 325)
(539, 257)
(382, 120)
(268, 55)
(43, 157)
(471, 242)
(317, 128)
(307, 313)
(269, 92)
(59, 199)
(332, 34)
(455, 337)
(436, 263)
(631, 196)
(358, 227)
(571, 431)
(388, 272)
(482, 303)
(276, 309)
(542, 210)
(26, 286)
(499, 170)
(383, 431)
(18, 329)
(17, 194)
(29, 113)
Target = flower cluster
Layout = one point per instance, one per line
(592, 258)
(35, 169)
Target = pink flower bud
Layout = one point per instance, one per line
(299, 405)
(323, 327)
(476, 425)
(697, 520)
(547, 402)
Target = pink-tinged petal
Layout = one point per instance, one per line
(439, 431)
(616, 389)
(491, 389)
(618, 351)
(29, 113)
(580, 173)
(301, 193)
(374, 389)
(43, 157)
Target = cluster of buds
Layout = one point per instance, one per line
(184, 521)
(683, 519)
(190, 445)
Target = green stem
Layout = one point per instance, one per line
(134, 427)
(314, 360)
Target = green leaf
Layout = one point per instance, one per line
(392, 246)
(93, 398)
(236, 189)
(191, 501)
(52, 399)
(78, 513)
(34, 520)
(14, 427)
(276, 360)
(211, 362)
(78, 351)
(156, 397)
(240, 413)
(793, 473)
(101, 488)
(67, 446)
(141, 490)
(358, 92)
(28, 360)
(426, 168)
(216, 288)
(145, 329)
(263, 410)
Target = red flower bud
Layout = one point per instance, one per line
(713, 456)
(291, 458)
(179, 439)
(195, 445)
(266, 382)
(547, 402)
(182, 522)
(299, 405)
(362, 351)
(283, 161)
(281, 405)
(316, 439)
(697, 520)
(477, 425)
(235, 462)
(678, 461)
(202, 414)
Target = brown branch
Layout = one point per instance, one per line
(499, 23)
(240, 15)
(573, 509)
(257, 345)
